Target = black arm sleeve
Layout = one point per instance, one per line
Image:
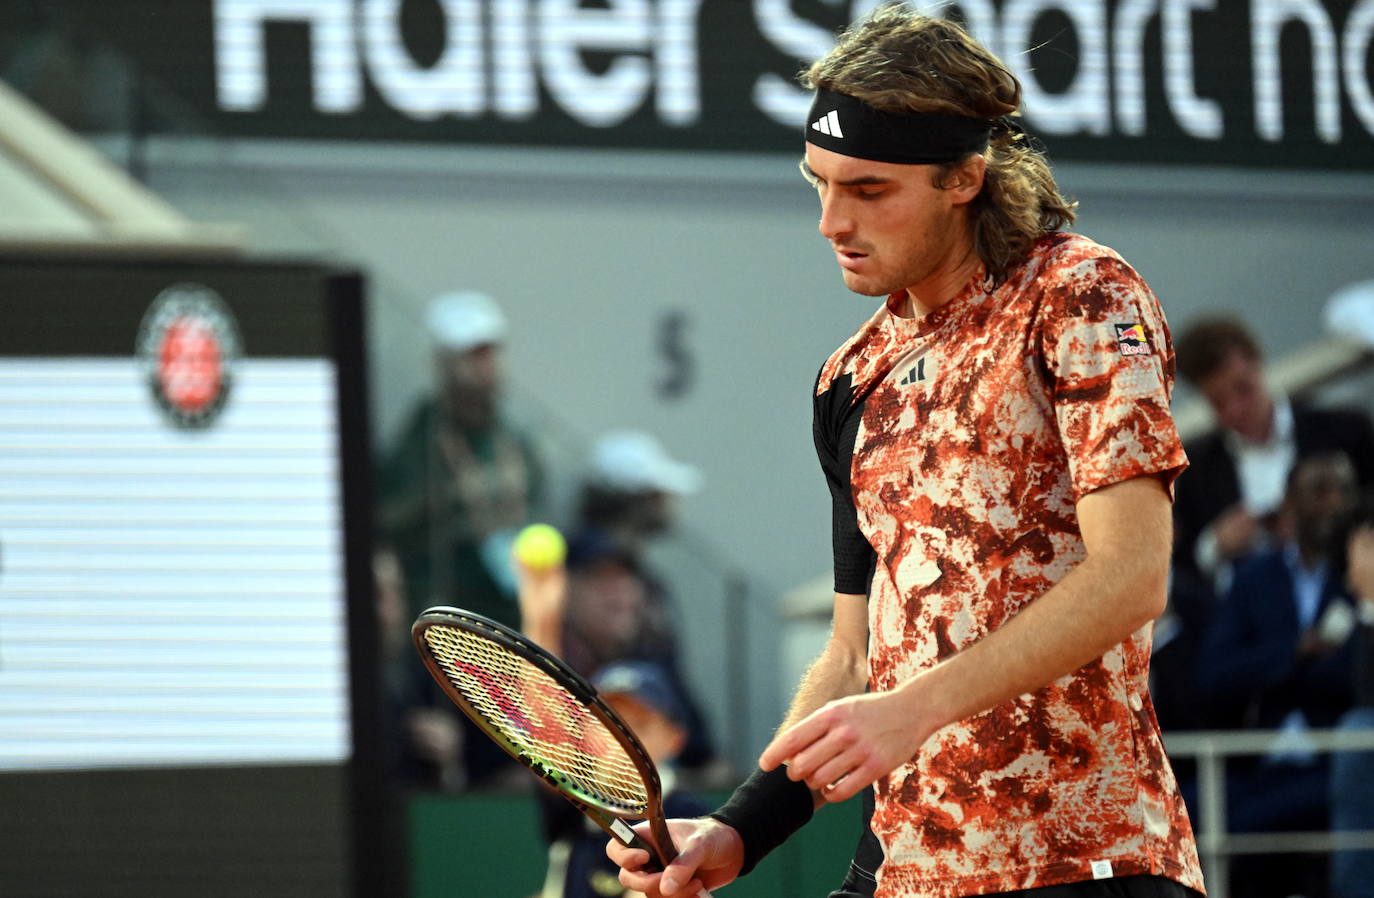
(834, 427)
(765, 810)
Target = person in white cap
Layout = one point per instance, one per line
(469, 330)
(460, 480)
(629, 499)
(632, 487)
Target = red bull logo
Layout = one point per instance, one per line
(1130, 339)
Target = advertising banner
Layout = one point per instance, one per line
(1250, 82)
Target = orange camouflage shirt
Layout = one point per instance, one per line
(956, 446)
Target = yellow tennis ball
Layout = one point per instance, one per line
(540, 547)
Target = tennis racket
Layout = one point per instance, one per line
(548, 718)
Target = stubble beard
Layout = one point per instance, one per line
(864, 290)
(885, 287)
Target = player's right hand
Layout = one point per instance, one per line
(710, 855)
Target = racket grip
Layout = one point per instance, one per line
(631, 839)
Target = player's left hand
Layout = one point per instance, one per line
(844, 746)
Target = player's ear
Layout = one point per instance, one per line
(964, 181)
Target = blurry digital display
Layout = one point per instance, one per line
(171, 563)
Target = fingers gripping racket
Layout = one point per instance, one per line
(548, 718)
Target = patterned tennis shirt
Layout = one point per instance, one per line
(956, 446)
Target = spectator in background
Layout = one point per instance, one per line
(1280, 640)
(424, 741)
(1226, 502)
(1352, 773)
(591, 612)
(644, 696)
(1174, 652)
(454, 489)
(1280, 650)
(628, 501)
(595, 612)
(632, 489)
(460, 481)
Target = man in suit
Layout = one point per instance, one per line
(1279, 650)
(1352, 772)
(1279, 642)
(1226, 503)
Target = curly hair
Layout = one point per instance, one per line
(897, 60)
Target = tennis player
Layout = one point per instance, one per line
(998, 443)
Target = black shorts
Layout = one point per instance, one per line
(857, 886)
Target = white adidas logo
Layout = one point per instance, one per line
(828, 124)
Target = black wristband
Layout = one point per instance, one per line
(765, 810)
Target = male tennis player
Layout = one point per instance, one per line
(998, 442)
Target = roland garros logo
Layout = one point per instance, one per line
(189, 343)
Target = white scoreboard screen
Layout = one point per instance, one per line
(169, 596)
(175, 565)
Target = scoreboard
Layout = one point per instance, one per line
(182, 534)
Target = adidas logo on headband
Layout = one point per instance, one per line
(911, 138)
(829, 124)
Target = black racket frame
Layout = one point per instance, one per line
(609, 818)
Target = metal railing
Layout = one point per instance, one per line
(1216, 844)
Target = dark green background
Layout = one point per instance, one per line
(489, 845)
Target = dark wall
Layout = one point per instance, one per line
(257, 832)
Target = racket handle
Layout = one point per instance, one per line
(631, 839)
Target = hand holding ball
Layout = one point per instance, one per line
(540, 547)
(542, 583)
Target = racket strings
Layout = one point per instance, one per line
(540, 718)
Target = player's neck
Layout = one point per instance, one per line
(940, 287)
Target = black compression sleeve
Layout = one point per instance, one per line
(834, 427)
(765, 810)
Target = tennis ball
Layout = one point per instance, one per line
(540, 547)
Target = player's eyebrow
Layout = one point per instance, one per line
(848, 182)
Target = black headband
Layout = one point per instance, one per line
(851, 127)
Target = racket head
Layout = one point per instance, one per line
(546, 716)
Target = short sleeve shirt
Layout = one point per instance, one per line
(956, 446)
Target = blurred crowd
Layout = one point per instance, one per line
(455, 490)
(1271, 606)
